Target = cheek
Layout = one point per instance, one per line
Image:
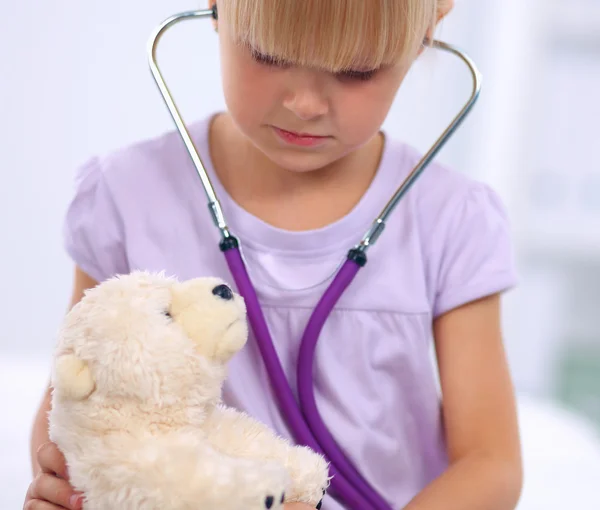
(203, 333)
(360, 111)
(250, 92)
(361, 108)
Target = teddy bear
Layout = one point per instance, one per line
(137, 376)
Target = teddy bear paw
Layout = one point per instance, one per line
(272, 502)
(264, 484)
(320, 503)
(309, 473)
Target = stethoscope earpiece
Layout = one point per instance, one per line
(215, 13)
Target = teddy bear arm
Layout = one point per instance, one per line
(176, 472)
(240, 435)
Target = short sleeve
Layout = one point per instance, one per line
(477, 257)
(92, 230)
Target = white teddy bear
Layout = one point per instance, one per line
(136, 404)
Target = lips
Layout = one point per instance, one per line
(232, 323)
(302, 135)
(300, 139)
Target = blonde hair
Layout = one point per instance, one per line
(334, 35)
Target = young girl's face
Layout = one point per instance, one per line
(304, 118)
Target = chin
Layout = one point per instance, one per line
(293, 159)
(300, 161)
(233, 340)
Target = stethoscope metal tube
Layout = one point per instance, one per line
(304, 419)
(213, 203)
(378, 225)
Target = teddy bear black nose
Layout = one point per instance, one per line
(269, 501)
(224, 292)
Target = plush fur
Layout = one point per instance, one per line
(137, 411)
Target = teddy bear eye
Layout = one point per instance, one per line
(168, 314)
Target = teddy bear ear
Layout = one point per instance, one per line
(72, 377)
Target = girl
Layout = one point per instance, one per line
(302, 167)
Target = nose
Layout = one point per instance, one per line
(306, 98)
(223, 291)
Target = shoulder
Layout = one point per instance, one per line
(463, 230)
(442, 195)
(122, 196)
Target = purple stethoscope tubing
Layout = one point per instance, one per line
(346, 483)
(303, 417)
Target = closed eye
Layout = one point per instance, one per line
(350, 74)
(357, 75)
(268, 60)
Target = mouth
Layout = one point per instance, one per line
(300, 139)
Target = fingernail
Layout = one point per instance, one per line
(75, 500)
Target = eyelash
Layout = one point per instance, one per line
(266, 59)
(346, 75)
(358, 75)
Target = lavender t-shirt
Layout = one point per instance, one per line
(447, 243)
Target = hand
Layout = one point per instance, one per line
(50, 489)
(297, 506)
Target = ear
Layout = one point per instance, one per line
(212, 4)
(72, 377)
(443, 9)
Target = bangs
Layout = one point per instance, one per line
(333, 35)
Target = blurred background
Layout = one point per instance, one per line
(75, 83)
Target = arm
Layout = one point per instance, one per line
(479, 412)
(39, 433)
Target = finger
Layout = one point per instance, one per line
(51, 460)
(49, 488)
(37, 504)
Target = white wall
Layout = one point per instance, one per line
(77, 83)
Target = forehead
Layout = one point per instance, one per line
(330, 34)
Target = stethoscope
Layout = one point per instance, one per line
(303, 417)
